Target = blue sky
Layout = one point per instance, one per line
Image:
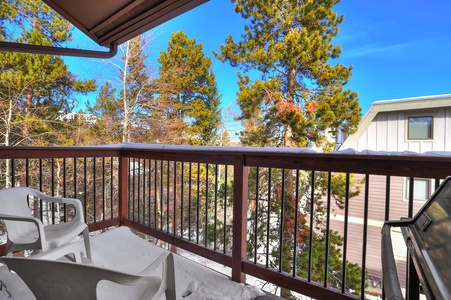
(398, 48)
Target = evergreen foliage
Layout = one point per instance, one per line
(291, 94)
(35, 90)
(108, 113)
(187, 104)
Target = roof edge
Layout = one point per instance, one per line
(52, 50)
(403, 104)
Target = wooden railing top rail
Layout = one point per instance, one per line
(436, 165)
(58, 151)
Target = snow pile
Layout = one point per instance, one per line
(394, 153)
(120, 249)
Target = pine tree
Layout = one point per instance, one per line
(294, 94)
(207, 116)
(108, 113)
(291, 95)
(187, 105)
(136, 90)
(35, 90)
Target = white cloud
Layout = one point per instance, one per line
(378, 50)
(402, 50)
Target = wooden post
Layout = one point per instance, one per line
(240, 195)
(123, 188)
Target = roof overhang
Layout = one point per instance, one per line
(108, 22)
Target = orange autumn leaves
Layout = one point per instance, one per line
(286, 106)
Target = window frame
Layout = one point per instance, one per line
(430, 186)
(423, 115)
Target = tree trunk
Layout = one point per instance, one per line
(126, 129)
(289, 202)
(26, 127)
(288, 135)
(58, 186)
(288, 238)
(8, 143)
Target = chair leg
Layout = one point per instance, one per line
(170, 290)
(8, 246)
(87, 243)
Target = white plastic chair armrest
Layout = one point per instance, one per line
(36, 221)
(30, 219)
(75, 202)
(46, 197)
(20, 218)
(59, 252)
(154, 265)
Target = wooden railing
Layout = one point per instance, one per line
(232, 205)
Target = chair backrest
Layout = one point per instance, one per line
(14, 202)
(55, 280)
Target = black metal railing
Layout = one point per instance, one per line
(192, 201)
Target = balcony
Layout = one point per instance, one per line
(235, 206)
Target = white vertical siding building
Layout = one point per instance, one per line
(419, 125)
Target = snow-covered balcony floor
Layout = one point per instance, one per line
(122, 250)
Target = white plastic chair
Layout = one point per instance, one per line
(55, 279)
(25, 232)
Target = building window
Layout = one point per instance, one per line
(421, 189)
(419, 128)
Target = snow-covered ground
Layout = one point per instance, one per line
(122, 250)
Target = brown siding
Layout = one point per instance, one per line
(376, 215)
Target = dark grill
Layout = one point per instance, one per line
(428, 240)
